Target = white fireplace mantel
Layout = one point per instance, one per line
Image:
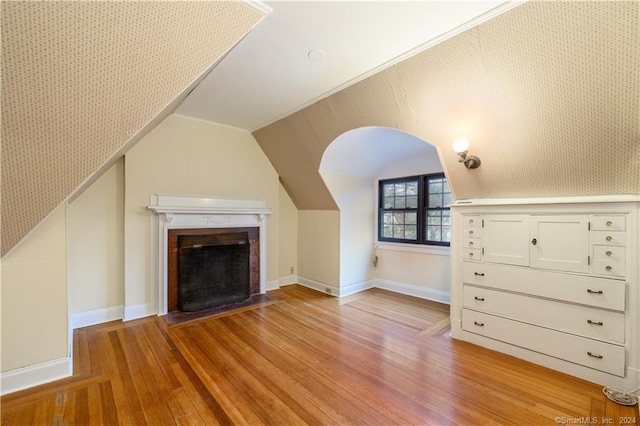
(188, 212)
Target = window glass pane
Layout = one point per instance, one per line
(387, 231)
(446, 220)
(435, 200)
(411, 232)
(433, 233)
(435, 186)
(400, 189)
(410, 218)
(412, 188)
(398, 231)
(446, 234)
(412, 202)
(433, 220)
(388, 202)
(447, 199)
(400, 203)
(398, 218)
(388, 190)
(387, 218)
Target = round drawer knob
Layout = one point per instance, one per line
(609, 238)
(470, 243)
(470, 254)
(608, 268)
(608, 253)
(470, 232)
(609, 223)
(470, 221)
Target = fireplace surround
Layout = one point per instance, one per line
(191, 215)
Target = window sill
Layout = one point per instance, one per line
(414, 248)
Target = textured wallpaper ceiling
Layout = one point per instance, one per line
(548, 94)
(79, 79)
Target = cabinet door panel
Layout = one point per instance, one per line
(560, 243)
(506, 239)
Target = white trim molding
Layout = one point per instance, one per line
(188, 212)
(317, 285)
(414, 290)
(356, 288)
(287, 280)
(97, 316)
(139, 311)
(34, 375)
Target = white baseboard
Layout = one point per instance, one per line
(138, 311)
(273, 285)
(34, 375)
(397, 287)
(288, 280)
(317, 285)
(414, 290)
(356, 288)
(97, 316)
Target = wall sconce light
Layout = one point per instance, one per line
(461, 146)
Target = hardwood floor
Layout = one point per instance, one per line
(373, 358)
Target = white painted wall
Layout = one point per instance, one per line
(96, 243)
(288, 239)
(34, 296)
(355, 198)
(319, 246)
(182, 156)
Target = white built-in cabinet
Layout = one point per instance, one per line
(553, 281)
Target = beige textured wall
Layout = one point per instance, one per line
(319, 246)
(189, 157)
(288, 239)
(96, 244)
(79, 79)
(34, 297)
(548, 94)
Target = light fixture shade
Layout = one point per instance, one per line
(460, 145)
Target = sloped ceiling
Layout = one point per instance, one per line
(79, 79)
(547, 93)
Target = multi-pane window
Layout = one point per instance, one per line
(414, 210)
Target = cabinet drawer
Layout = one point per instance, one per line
(608, 222)
(612, 253)
(606, 357)
(608, 268)
(589, 322)
(586, 290)
(471, 243)
(472, 221)
(471, 232)
(611, 238)
(471, 254)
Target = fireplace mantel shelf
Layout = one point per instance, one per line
(206, 210)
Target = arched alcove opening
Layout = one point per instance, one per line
(351, 167)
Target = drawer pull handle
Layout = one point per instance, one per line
(608, 268)
(470, 243)
(470, 254)
(595, 355)
(470, 221)
(534, 241)
(608, 253)
(479, 324)
(479, 298)
(470, 232)
(609, 238)
(479, 274)
(609, 223)
(594, 322)
(594, 291)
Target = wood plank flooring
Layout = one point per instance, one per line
(374, 358)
